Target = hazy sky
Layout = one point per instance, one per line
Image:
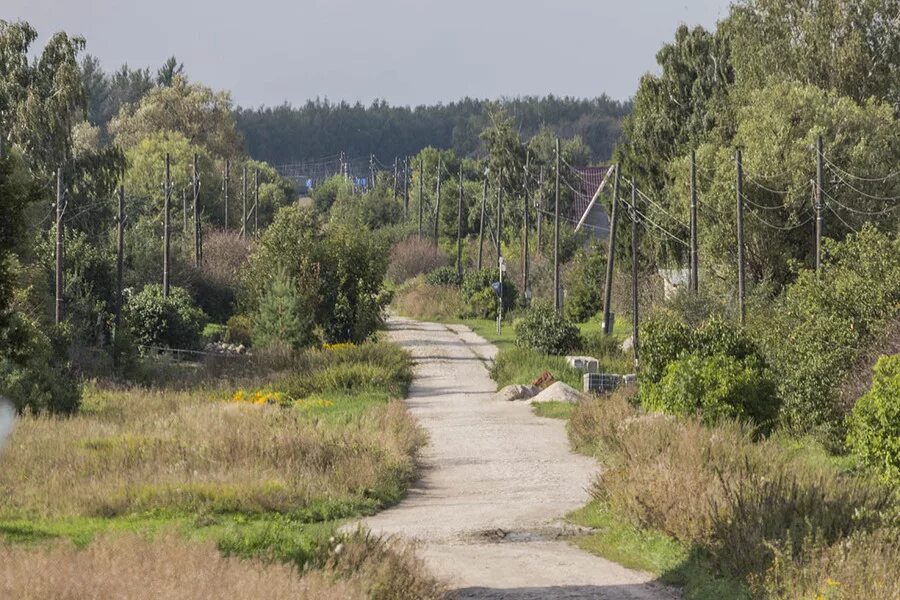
(405, 51)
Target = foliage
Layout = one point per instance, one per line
(714, 386)
(544, 329)
(326, 193)
(284, 315)
(874, 424)
(480, 299)
(373, 209)
(583, 289)
(824, 320)
(173, 321)
(240, 330)
(445, 275)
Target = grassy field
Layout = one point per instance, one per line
(262, 467)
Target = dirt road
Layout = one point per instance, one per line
(496, 482)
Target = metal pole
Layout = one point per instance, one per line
(819, 193)
(437, 204)
(58, 315)
(740, 235)
(481, 223)
(525, 229)
(610, 258)
(166, 232)
(556, 300)
(499, 213)
(459, 228)
(695, 270)
(120, 258)
(635, 319)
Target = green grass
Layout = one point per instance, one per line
(521, 365)
(553, 409)
(674, 563)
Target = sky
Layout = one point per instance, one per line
(407, 52)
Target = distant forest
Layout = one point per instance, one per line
(320, 128)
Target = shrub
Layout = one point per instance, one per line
(874, 424)
(544, 329)
(214, 284)
(284, 316)
(240, 330)
(714, 387)
(479, 297)
(324, 194)
(154, 320)
(214, 332)
(663, 338)
(583, 291)
(412, 257)
(446, 275)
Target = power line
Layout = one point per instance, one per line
(859, 191)
(858, 177)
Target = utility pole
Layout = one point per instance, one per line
(437, 203)
(406, 187)
(243, 201)
(459, 227)
(421, 193)
(371, 172)
(184, 210)
(59, 248)
(695, 269)
(556, 299)
(819, 193)
(395, 179)
(256, 203)
(525, 230)
(540, 210)
(610, 258)
(481, 223)
(740, 233)
(635, 320)
(120, 258)
(195, 182)
(225, 189)
(167, 194)
(499, 213)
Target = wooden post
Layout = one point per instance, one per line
(195, 185)
(120, 258)
(525, 228)
(437, 204)
(819, 200)
(244, 201)
(481, 223)
(635, 319)
(371, 185)
(167, 194)
(58, 313)
(695, 270)
(459, 227)
(421, 193)
(395, 179)
(739, 186)
(406, 188)
(499, 213)
(557, 304)
(540, 212)
(610, 258)
(225, 190)
(256, 203)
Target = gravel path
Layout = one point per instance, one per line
(496, 482)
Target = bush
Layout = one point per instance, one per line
(874, 424)
(545, 330)
(584, 294)
(284, 316)
(154, 320)
(448, 276)
(663, 338)
(214, 332)
(240, 330)
(714, 387)
(479, 297)
(324, 195)
(412, 257)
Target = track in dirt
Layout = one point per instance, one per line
(496, 483)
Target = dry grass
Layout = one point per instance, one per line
(749, 504)
(138, 451)
(419, 300)
(167, 568)
(412, 257)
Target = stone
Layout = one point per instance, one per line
(585, 364)
(516, 392)
(559, 392)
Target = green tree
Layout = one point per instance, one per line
(284, 315)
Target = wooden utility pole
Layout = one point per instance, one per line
(225, 182)
(557, 304)
(525, 229)
(481, 223)
(437, 203)
(739, 185)
(371, 185)
(406, 188)
(695, 269)
(459, 227)
(167, 195)
(244, 201)
(499, 213)
(395, 178)
(195, 184)
(58, 314)
(635, 320)
(184, 209)
(421, 193)
(820, 170)
(610, 258)
(540, 211)
(120, 258)
(256, 203)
